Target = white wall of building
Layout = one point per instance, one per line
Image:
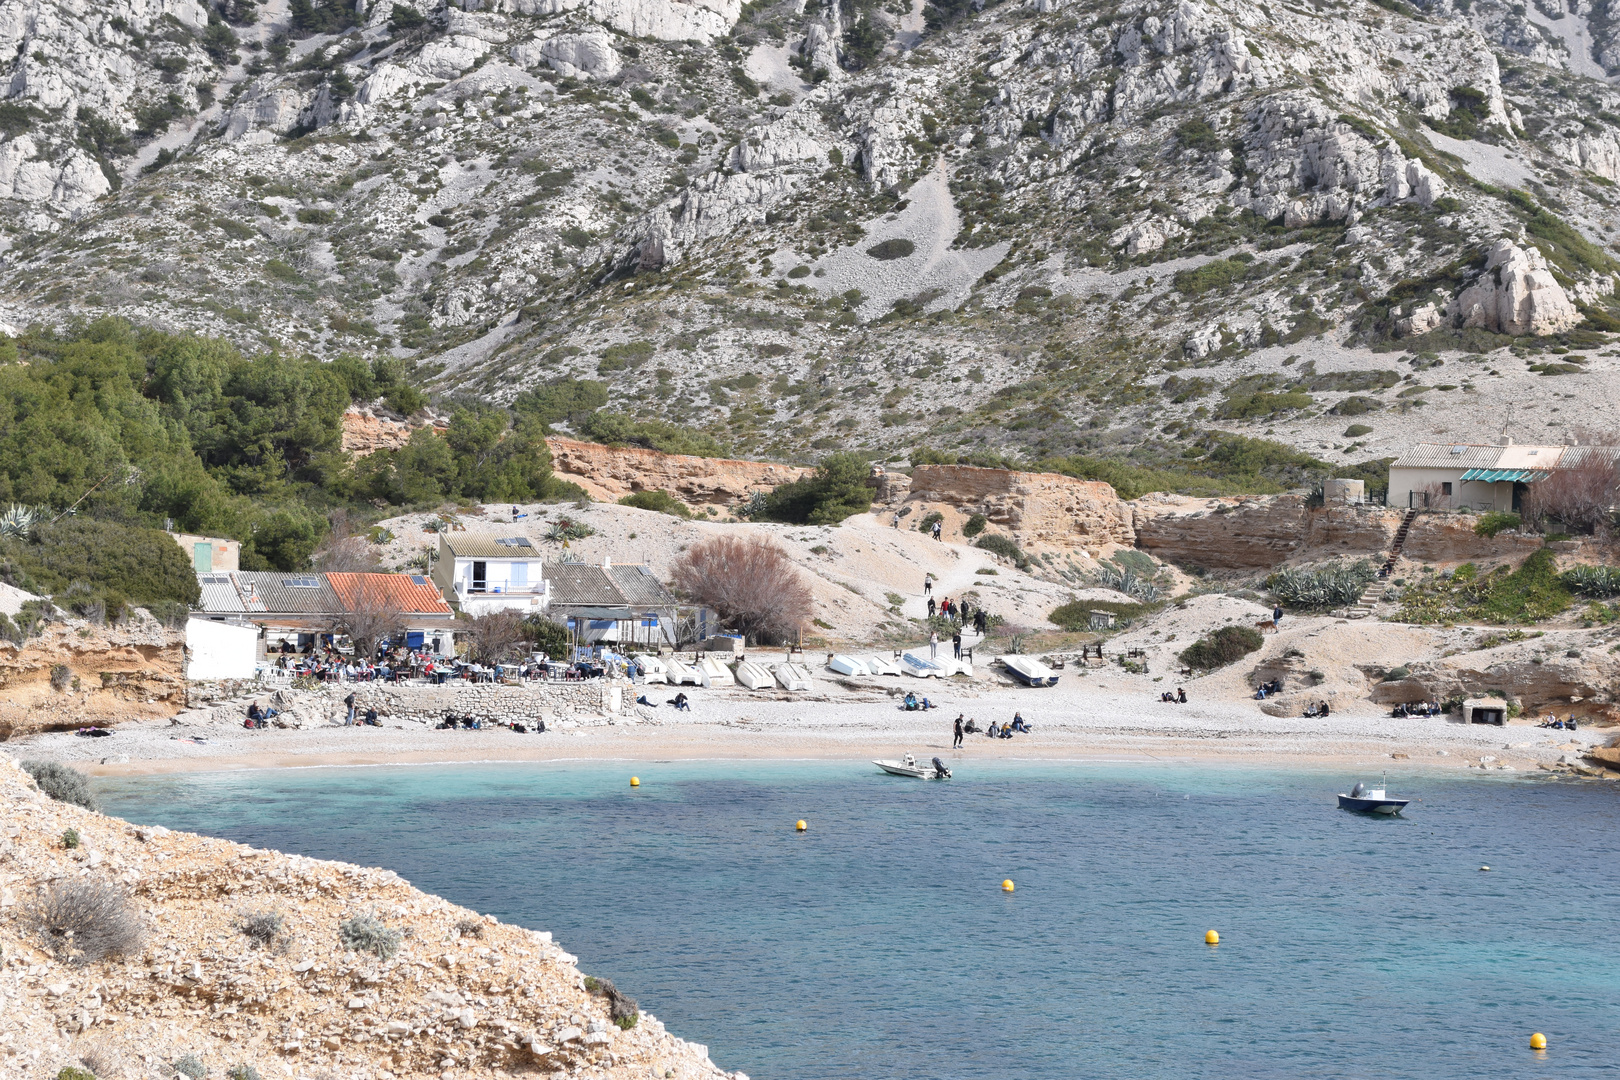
(220, 650)
(1477, 494)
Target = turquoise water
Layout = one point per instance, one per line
(879, 944)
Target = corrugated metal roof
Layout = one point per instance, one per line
(1449, 456)
(274, 593)
(639, 586)
(409, 593)
(581, 584)
(219, 594)
(1575, 456)
(491, 546)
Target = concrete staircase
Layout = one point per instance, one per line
(1375, 590)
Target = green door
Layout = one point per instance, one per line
(202, 558)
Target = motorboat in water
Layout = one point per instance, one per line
(679, 673)
(755, 676)
(921, 666)
(907, 766)
(1029, 671)
(1365, 800)
(881, 665)
(792, 676)
(712, 673)
(844, 664)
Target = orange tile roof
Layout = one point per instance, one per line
(412, 594)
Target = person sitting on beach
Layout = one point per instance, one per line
(971, 727)
(1167, 696)
(1006, 731)
(1181, 695)
(1018, 723)
(641, 699)
(926, 705)
(1310, 710)
(910, 703)
(680, 703)
(995, 730)
(1322, 708)
(371, 718)
(255, 713)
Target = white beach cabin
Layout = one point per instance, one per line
(481, 573)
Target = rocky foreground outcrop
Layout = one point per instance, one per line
(608, 473)
(1579, 682)
(463, 995)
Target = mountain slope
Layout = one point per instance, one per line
(1034, 229)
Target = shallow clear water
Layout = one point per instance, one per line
(879, 944)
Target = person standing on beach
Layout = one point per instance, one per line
(956, 643)
(930, 607)
(957, 742)
(1276, 615)
(933, 647)
(349, 701)
(928, 584)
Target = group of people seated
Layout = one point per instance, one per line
(679, 701)
(1266, 689)
(1317, 708)
(1551, 721)
(1006, 731)
(914, 704)
(1179, 697)
(1421, 708)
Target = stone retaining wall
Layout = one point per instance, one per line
(491, 703)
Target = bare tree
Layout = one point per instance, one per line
(494, 638)
(372, 617)
(345, 550)
(751, 584)
(1580, 498)
(1435, 497)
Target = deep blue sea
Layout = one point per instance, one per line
(879, 943)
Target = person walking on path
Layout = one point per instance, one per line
(931, 607)
(1276, 615)
(928, 584)
(897, 521)
(933, 651)
(957, 742)
(936, 530)
(956, 643)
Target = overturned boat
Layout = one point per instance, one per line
(880, 665)
(1029, 671)
(679, 673)
(755, 676)
(923, 667)
(652, 669)
(713, 674)
(844, 664)
(792, 676)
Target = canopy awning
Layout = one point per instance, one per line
(1492, 476)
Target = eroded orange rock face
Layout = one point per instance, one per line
(365, 432)
(111, 675)
(1039, 509)
(609, 473)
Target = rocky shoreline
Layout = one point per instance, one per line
(433, 990)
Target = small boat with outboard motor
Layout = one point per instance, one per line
(907, 766)
(1365, 800)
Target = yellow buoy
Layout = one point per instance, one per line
(1211, 938)
(800, 825)
(1538, 1041)
(635, 781)
(1007, 886)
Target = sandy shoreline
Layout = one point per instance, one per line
(1083, 721)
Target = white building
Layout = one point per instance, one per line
(221, 650)
(479, 574)
(1480, 476)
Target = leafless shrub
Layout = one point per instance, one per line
(100, 1059)
(751, 584)
(493, 638)
(1579, 498)
(263, 928)
(346, 555)
(470, 927)
(372, 617)
(83, 921)
(621, 1007)
(1435, 497)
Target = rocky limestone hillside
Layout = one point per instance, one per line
(456, 994)
(1039, 227)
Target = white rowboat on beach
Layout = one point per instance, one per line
(712, 673)
(844, 664)
(755, 676)
(792, 676)
(880, 665)
(652, 669)
(1029, 671)
(921, 666)
(678, 673)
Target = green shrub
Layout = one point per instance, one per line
(62, 783)
(841, 486)
(1224, 646)
(1496, 521)
(366, 933)
(1527, 595)
(546, 635)
(974, 525)
(659, 500)
(310, 215)
(242, 1072)
(73, 1072)
(1212, 275)
(1357, 430)
(897, 248)
(141, 563)
(1333, 586)
(997, 544)
(70, 838)
(1076, 614)
(616, 429)
(190, 1065)
(1262, 404)
(1601, 582)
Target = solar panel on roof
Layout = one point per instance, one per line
(513, 541)
(301, 583)
(418, 579)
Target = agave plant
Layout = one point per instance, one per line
(1601, 582)
(1329, 587)
(1126, 581)
(17, 521)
